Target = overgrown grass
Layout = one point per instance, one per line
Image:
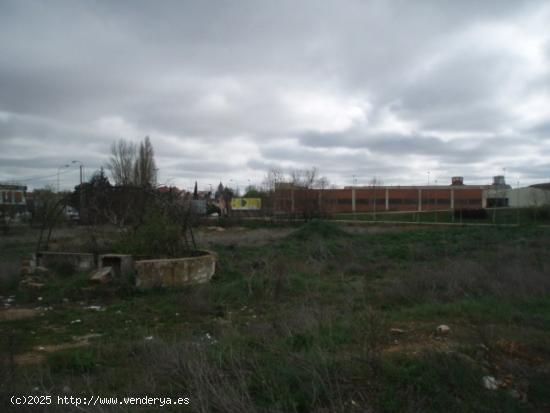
(303, 325)
(499, 216)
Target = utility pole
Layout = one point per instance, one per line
(58, 169)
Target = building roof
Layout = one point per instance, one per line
(11, 186)
(423, 187)
(545, 186)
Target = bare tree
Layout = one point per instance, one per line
(131, 164)
(301, 183)
(321, 183)
(375, 183)
(274, 176)
(304, 178)
(310, 177)
(145, 169)
(121, 163)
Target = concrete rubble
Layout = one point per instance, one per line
(102, 275)
(174, 272)
(490, 383)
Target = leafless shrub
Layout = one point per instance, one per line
(8, 273)
(307, 316)
(188, 369)
(257, 268)
(512, 277)
(374, 329)
(198, 300)
(279, 271)
(319, 256)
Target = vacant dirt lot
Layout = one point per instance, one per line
(320, 318)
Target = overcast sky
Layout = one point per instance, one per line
(228, 89)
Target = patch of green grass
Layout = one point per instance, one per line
(481, 310)
(319, 229)
(538, 389)
(75, 361)
(15, 249)
(302, 324)
(500, 216)
(436, 382)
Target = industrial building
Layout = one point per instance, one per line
(531, 196)
(13, 195)
(356, 199)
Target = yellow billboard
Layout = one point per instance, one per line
(246, 204)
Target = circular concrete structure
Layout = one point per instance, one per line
(175, 272)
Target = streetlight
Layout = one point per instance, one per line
(236, 183)
(58, 169)
(517, 207)
(81, 203)
(81, 167)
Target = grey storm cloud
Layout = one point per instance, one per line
(227, 90)
(417, 144)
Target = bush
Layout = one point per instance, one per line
(542, 213)
(319, 228)
(78, 361)
(467, 278)
(9, 276)
(157, 237)
(468, 213)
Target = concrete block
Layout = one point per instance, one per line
(103, 275)
(121, 264)
(80, 261)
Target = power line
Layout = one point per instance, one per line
(38, 178)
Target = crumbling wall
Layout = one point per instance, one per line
(78, 261)
(122, 264)
(175, 272)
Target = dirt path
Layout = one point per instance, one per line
(240, 235)
(11, 314)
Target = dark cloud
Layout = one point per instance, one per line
(228, 90)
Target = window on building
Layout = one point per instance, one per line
(497, 202)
